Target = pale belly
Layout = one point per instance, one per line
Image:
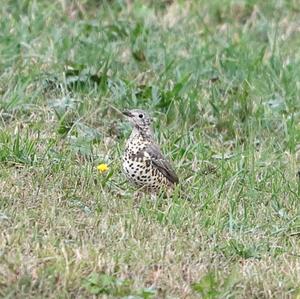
(138, 167)
(142, 174)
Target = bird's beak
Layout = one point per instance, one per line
(127, 113)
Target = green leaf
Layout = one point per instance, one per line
(207, 286)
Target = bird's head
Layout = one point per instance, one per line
(139, 119)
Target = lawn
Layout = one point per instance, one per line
(222, 82)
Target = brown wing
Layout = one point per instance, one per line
(161, 163)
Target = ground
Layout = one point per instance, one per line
(221, 80)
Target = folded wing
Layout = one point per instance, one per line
(161, 163)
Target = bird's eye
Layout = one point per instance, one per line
(141, 115)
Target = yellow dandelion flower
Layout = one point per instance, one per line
(102, 167)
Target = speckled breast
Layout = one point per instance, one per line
(139, 169)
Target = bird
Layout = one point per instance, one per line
(143, 162)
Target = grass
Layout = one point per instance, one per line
(221, 79)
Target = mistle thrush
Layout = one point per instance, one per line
(143, 163)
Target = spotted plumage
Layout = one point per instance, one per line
(143, 163)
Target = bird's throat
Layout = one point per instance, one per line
(145, 133)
